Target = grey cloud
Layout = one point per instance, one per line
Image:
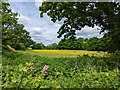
(45, 37)
(38, 3)
(88, 32)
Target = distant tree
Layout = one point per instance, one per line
(93, 43)
(61, 44)
(109, 44)
(80, 43)
(52, 46)
(38, 46)
(86, 43)
(96, 44)
(68, 44)
(101, 44)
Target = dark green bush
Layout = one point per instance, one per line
(20, 46)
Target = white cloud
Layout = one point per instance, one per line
(21, 0)
(13, 10)
(36, 28)
(38, 3)
(24, 19)
(89, 32)
(57, 25)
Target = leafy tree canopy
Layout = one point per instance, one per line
(76, 15)
(13, 33)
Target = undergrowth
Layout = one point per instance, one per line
(81, 72)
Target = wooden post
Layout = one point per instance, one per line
(31, 59)
(44, 71)
(12, 49)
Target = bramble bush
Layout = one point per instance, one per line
(81, 72)
(26, 77)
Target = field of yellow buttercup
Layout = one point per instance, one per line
(67, 53)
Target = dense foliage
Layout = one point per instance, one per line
(38, 46)
(95, 44)
(81, 72)
(13, 34)
(76, 15)
(52, 46)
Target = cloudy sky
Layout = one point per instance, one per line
(43, 30)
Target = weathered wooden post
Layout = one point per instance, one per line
(12, 49)
(44, 71)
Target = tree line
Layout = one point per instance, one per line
(92, 44)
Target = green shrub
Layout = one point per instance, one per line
(20, 46)
(30, 77)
